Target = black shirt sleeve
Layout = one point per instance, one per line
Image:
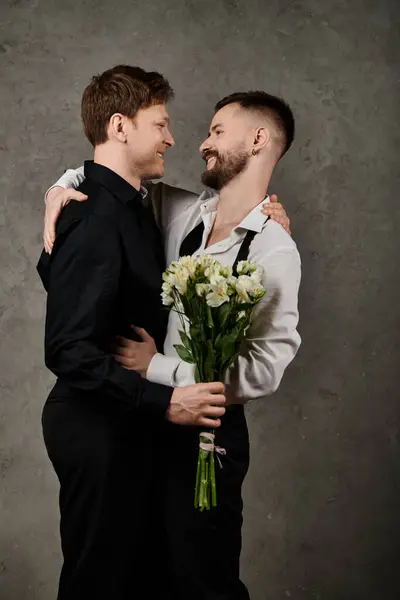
(82, 286)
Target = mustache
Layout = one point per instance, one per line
(208, 155)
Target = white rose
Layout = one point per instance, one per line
(166, 287)
(242, 267)
(202, 289)
(179, 280)
(189, 263)
(212, 271)
(204, 261)
(218, 292)
(167, 299)
(257, 274)
(243, 286)
(226, 271)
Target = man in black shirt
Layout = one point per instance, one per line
(102, 423)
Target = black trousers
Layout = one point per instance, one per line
(128, 526)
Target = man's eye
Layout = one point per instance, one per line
(218, 131)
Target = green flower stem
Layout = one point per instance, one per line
(198, 478)
(206, 487)
(203, 478)
(213, 484)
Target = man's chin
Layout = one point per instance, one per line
(156, 174)
(210, 179)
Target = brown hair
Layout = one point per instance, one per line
(271, 106)
(122, 89)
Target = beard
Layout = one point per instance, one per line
(227, 167)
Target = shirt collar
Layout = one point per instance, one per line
(117, 185)
(253, 221)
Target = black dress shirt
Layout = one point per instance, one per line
(103, 275)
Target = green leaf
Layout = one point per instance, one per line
(243, 306)
(197, 333)
(184, 353)
(186, 307)
(228, 344)
(223, 313)
(185, 339)
(209, 362)
(197, 376)
(210, 322)
(230, 361)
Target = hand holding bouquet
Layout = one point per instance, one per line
(214, 309)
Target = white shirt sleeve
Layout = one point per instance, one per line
(72, 178)
(271, 344)
(167, 202)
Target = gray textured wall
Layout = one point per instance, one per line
(322, 496)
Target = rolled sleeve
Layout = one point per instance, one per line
(72, 178)
(170, 370)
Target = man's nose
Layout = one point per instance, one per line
(204, 147)
(169, 140)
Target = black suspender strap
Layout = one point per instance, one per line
(192, 242)
(243, 250)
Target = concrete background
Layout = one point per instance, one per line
(322, 496)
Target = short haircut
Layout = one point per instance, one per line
(270, 106)
(122, 89)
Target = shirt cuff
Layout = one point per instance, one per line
(162, 369)
(53, 186)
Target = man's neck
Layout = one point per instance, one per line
(109, 157)
(240, 196)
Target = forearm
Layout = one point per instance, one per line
(85, 367)
(72, 178)
(81, 307)
(257, 373)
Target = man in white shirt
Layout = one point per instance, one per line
(249, 134)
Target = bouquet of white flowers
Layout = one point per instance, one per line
(214, 309)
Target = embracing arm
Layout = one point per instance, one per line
(270, 346)
(82, 288)
(72, 178)
(167, 202)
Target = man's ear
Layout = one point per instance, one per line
(116, 128)
(261, 139)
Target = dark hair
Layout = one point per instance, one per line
(122, 89)
(270, 106)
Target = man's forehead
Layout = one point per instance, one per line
(155, 111)
(161, 111)
(226, 114)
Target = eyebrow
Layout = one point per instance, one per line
(165, 120)
(214, 127)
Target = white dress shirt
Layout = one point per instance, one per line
(272, 340)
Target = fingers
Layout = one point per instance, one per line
(75, 195)
(215, 387)
(120, 351)
(55, 202)
(124, 361)
(210, 423)
(271, 209)
(214, 411)
(215, 399)
(124, 342)
(273, 198)
(49, 234)
(146, 337)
